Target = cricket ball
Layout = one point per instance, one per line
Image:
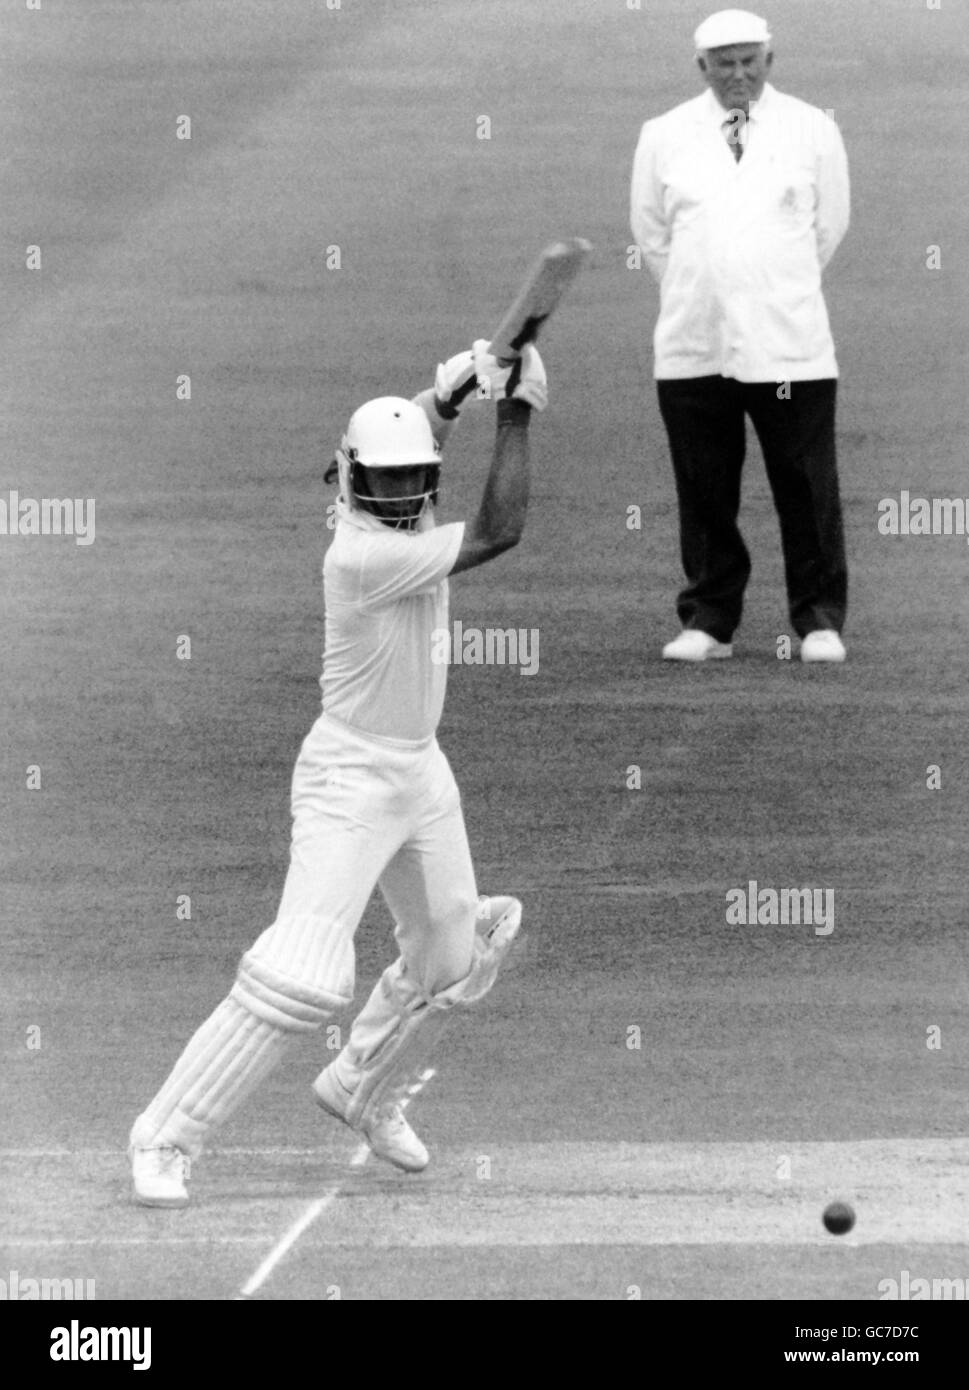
(838, 1218)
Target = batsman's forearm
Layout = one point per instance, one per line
(501, 517)
(440, 426)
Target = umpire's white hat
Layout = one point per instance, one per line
(728, 27)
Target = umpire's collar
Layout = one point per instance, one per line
(713, 112)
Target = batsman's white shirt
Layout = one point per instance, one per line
(738, 248)
(374, 799)
(386, 592)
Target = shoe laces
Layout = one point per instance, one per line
(389, 1111)
(174, 1161)
(390, 1116)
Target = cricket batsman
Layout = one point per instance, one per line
(374, 800)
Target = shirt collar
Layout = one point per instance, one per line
(720, 115)
(365, 522)
(361, 520)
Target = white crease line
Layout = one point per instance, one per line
(122, 1242)
(316, 1209)
(289, 1239)
(279, 1152)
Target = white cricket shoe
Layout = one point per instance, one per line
(159, 1175)
(694, 645)
(391, 1137)
(383, 1126)
(823, 645)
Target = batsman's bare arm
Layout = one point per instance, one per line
(504, 503)
(517, 389)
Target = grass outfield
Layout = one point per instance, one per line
(356, 129)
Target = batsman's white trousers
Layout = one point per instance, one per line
(364, 813)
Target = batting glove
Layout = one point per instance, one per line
(454, 382)
(523, 380)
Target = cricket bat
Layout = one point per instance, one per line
(550, 277)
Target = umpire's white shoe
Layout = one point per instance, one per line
(383, 1126)
(694, 645)
(823, 645)
(158, 1176)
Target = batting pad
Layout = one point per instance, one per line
(409, 1023)
(224, 1062)
(280, 999)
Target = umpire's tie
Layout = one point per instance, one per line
(734, 129)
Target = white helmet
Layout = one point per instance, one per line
(389, 433)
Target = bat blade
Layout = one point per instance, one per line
(538, 297)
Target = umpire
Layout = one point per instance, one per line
(740, 198)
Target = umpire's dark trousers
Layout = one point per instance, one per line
(705, 422)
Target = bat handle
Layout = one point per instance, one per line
(517, 352)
